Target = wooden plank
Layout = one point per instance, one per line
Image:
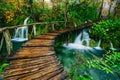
(42, 73)
(24, 64)
(30, 69)
(49, 75)
(33, 52)
(60, 76)
(18, 61)
(23, 55)
(39, 72)
(33, 49)
(38, 43)
(48, 37)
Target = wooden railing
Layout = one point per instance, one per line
(5, 33)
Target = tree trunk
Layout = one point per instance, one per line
(100, 11)
(43, 4)
(66, 13)
(106, 8)
(113, 6)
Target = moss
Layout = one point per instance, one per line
(92, 43)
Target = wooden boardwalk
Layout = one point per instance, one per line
(36, 60)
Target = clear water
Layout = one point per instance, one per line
(16, 46)
(68, 59)
(68, 56)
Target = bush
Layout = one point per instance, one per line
(108, 31)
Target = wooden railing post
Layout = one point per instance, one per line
(34, 29)
(67, 39)
(53, 26)
(8, 41)
(75, 25)
(1, 44)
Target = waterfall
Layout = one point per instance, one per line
(98, 46)
(82, 41)
(99, 43)
(85, 36)
(78, 39)
(81, 44)
(78, 43)
(21, 33)
(111, 47)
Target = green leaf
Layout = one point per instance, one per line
(1, 69)
(4, 65)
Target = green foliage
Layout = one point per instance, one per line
(112, 59)
(5, 16)
(3, 62)
(2, 66)
(107, 30)
(15, 15)
(109, 63)
(82, 12)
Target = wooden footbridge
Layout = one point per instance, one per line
(37, 60)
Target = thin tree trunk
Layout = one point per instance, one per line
(113, 7)
(43, 4)
(66, 13)
(100, 11)
(110, 9)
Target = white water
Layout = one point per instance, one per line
(21, 33)
(78, 44)
(98, 46)
(111, 46)
(78, 39)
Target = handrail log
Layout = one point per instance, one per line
(12, 27)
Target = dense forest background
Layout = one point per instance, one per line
(13, 12)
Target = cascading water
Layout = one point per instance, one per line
(21, 33)
(98, 46)
(78, 43)
(112, 48)
(81, 43)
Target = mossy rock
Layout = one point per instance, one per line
(92, 43)
(105, 44)
(84, 43)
